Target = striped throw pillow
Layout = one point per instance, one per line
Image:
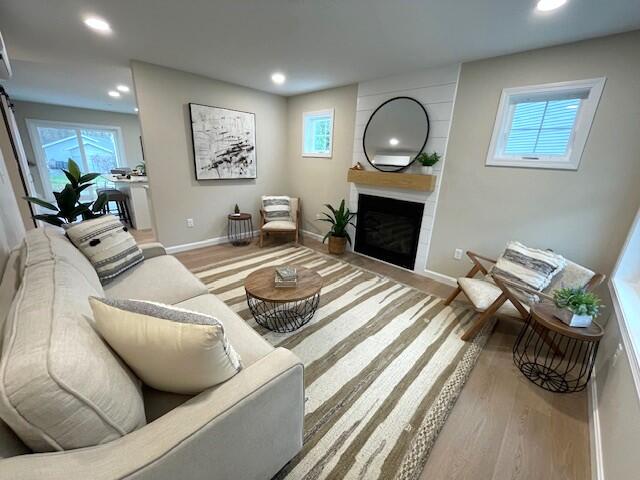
(276, 208)
(107, 244)
(529, 266)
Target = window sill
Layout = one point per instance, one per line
(317, 155)
(625, 297)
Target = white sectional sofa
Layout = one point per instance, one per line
(246, 428)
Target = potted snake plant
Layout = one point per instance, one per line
(339, 218)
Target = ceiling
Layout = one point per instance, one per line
(317, 43)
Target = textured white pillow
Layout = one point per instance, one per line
(107, 244)
(532, 267)
(276, 208)
(169, 348)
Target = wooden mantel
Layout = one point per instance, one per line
(409, 181)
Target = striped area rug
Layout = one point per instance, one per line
(384, 364)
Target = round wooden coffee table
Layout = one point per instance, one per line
(553, 355)
(282, 310)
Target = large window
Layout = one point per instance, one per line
(544, 126)
(93, 148)
(317, 133)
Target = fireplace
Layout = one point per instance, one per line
(388, 229)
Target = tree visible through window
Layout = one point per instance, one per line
(94, 149)
(317, 133)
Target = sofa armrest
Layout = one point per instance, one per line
(249, 427)
(152, 249)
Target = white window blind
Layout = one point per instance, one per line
(317, 133)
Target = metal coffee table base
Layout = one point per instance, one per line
(283, 317)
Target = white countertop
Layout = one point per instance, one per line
(118, 179)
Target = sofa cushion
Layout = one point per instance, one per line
(107, 244)
(61, 387)
(279, 225)
(42, 244)
(247, 342)
(169, 348)
(161, 279)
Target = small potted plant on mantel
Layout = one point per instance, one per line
(576, 307)
(340, 218)
(428, 160)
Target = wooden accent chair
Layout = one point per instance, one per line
(280, 227)
(494, 295)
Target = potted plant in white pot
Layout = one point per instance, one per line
(340, 218)
(428, 160)
(576, 307)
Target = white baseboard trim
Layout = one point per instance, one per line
(595, 441)
(185, 247)
(314, 235)
(440, 277)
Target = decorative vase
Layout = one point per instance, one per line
(569, 318)
(427, 170)
(337, 245)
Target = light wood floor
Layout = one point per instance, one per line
(502, 426)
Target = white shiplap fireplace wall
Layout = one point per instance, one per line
(435, 88)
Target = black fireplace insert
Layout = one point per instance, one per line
(388, 229)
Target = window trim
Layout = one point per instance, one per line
(326, 112)
(584, 120)
(33, 123)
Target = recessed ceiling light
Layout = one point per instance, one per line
(136, 109)
(98, 24)
(278, 78)
(122, 88)
(548, 5)
(393, 142)
(114, 94)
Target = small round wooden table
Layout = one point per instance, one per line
(239, 228)
(282, 309)
(553, 355)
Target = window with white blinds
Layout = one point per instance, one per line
(544, 126)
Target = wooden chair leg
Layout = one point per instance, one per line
(297, 237)
(453, 295)
(482, 318)
(261, 234)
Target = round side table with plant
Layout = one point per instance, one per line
(428, 160)
(557, 347)
(339, 218)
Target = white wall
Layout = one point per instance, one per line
(163, 96)
(435, 88)
(11, 226)
(128, 124)
(583, 214)
(318, 181)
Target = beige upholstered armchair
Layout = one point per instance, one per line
(279, 227)
(493, 295)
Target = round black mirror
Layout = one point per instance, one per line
(395, 134)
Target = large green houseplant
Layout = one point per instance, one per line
(339, 218)
(68, 206)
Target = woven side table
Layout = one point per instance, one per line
(239, 228)
(553, 355)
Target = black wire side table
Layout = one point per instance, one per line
(239, 228)
(553, 355)
(282, 310)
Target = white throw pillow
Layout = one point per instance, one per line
(532, 267)
(107, 244)
(169, 348)
(276, 208)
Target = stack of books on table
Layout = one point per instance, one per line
(286, 277)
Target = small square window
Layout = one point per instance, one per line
(544, 126)
(317, 133)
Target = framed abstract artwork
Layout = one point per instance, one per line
(224, 143)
